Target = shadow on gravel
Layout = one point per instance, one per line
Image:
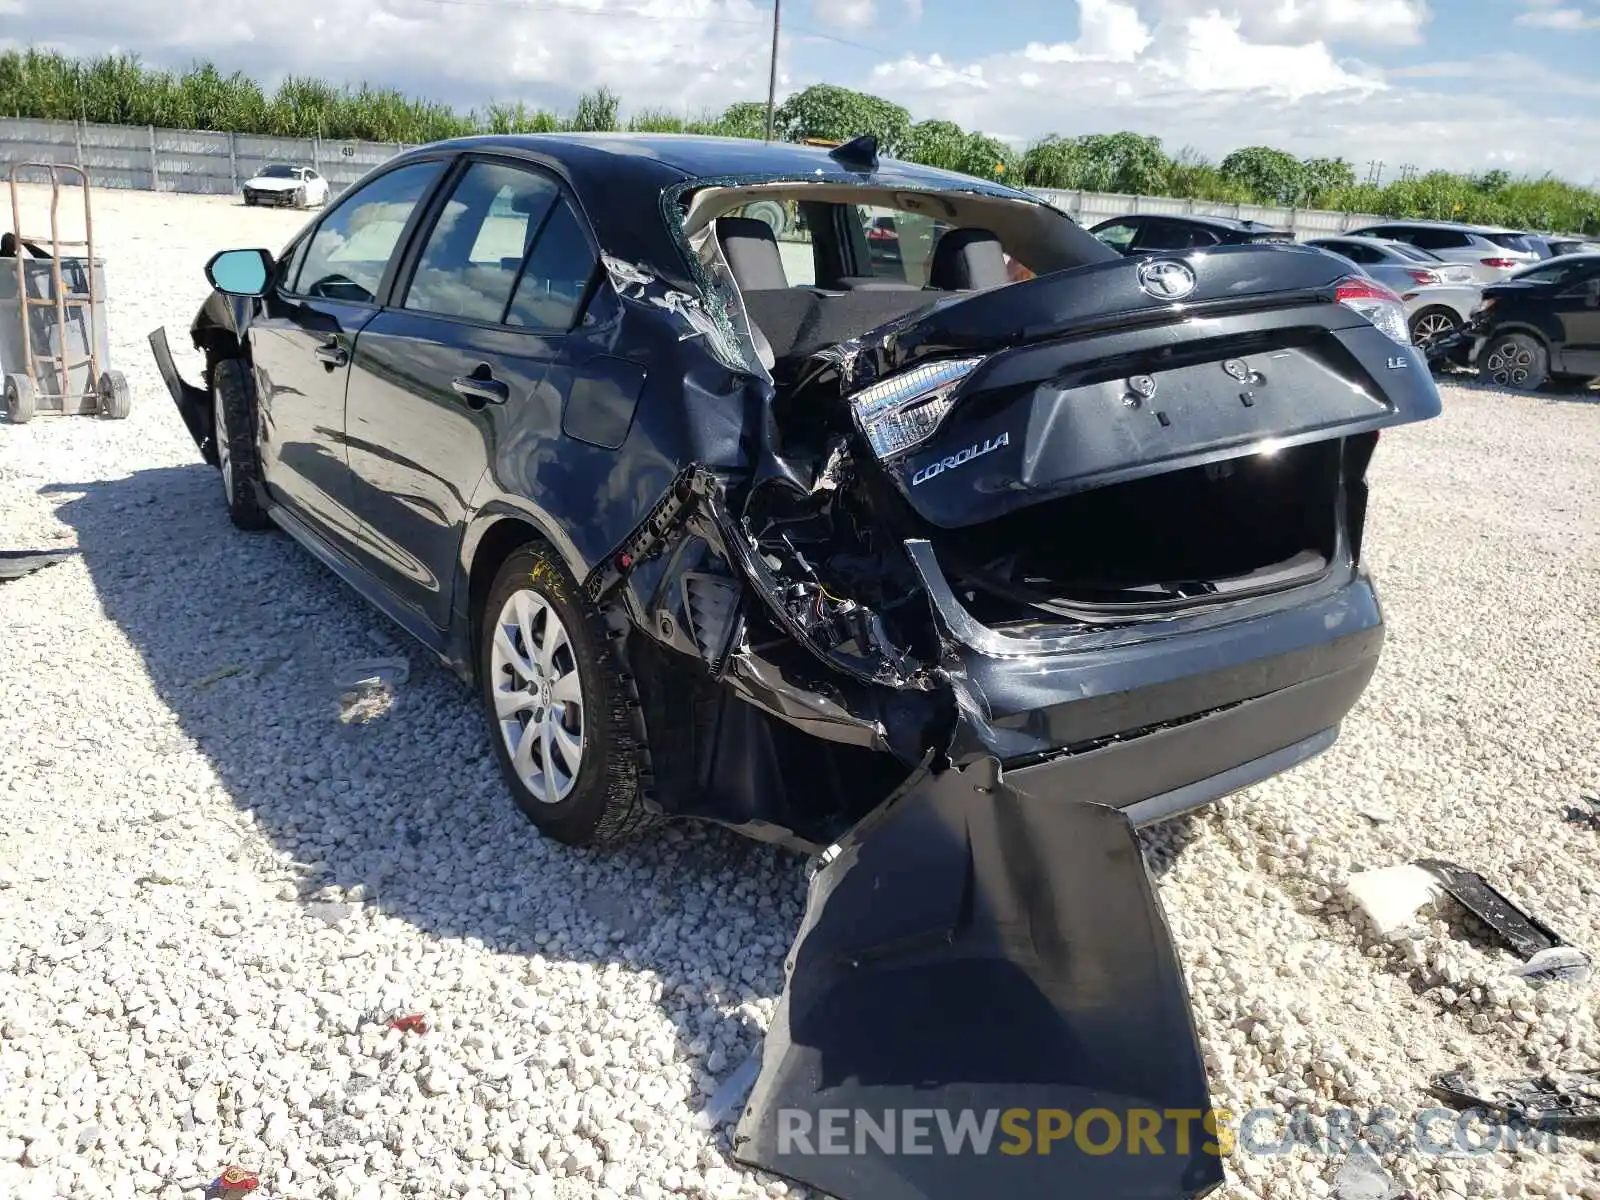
(1556, 391)
(243, 636)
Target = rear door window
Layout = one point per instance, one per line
(1440, 239)
(1119, 236)
(350, 251)
(560, 266)
(476, 248)
(1175, 235)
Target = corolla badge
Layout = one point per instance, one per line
(1166, 278)
(976, 450)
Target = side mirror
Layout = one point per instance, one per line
(240, 272)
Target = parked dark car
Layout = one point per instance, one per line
(1148, 233)
(951, 579)
(1542, 323)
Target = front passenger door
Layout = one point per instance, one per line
(302, 337)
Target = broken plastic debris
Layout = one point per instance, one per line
(14, 564)
(1391, 897)
(1547, 955)
(1556, 1098)
(1362, 1177)
(218, 675)
(729, 1098)
(410, 1023)
(373, 672)
(233, 1183)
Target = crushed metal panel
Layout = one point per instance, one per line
(969, 949)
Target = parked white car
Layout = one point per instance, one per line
(287, 186)
(1491, 253)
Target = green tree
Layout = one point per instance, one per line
(746, 119)
(1271, 176)
(839, 114)
(596, 112)
(1325, 176)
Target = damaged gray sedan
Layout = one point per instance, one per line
(950, 561)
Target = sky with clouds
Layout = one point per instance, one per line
(1462, 84)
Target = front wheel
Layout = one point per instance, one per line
(1515, 360)
(233, 412)
(556, 704)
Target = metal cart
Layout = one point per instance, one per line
(54, 352)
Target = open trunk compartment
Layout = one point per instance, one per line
(1227, 530)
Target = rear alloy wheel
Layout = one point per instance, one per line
(1515, 360)
(556, 704)
(1432, 324)
(233, 425)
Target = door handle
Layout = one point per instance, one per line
(332, 354)
(480, 391)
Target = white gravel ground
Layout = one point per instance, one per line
(211, 886)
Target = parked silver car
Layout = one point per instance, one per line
(1439, 296)
(1492, 253)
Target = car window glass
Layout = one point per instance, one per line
(899, 242)
(1439, 239)
(1414, 253)
(1556, 272)
(557, 275)
(1118, 237)
(1356, 252)
(1512, 241)
(352, 246)
(794, 238)
(1175, 235)
(476, 246)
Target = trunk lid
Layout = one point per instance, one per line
(1094, 376)
(984, 1000)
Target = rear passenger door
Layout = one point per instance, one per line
(466, 362)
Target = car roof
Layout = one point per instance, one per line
(1454, 226)
(1231, 224)
(619, 178)
(1360, 239)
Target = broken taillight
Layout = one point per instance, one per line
(1377, 304)
(905, 409)
(1423, 277)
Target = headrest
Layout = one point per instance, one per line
(967, 260)
(751, 248)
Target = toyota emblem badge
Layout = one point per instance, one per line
(1166, 279)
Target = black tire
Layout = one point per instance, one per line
(20, 401)
(1432, 324)
(1515, 360)
(606, 804)
(115, 400)
(233, 410)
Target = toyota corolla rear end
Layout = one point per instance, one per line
(1131, 497)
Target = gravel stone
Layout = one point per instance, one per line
(246, 873)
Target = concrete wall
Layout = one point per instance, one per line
(175, 160)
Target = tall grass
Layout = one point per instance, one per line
(121, 90)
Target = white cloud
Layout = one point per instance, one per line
(846, 14)
(1385, 21)
(681, 54)
(1544, 15)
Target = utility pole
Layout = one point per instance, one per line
(1375, 171)
(1408, 171)
(772, 75)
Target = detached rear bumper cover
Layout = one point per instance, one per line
(977, 966)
